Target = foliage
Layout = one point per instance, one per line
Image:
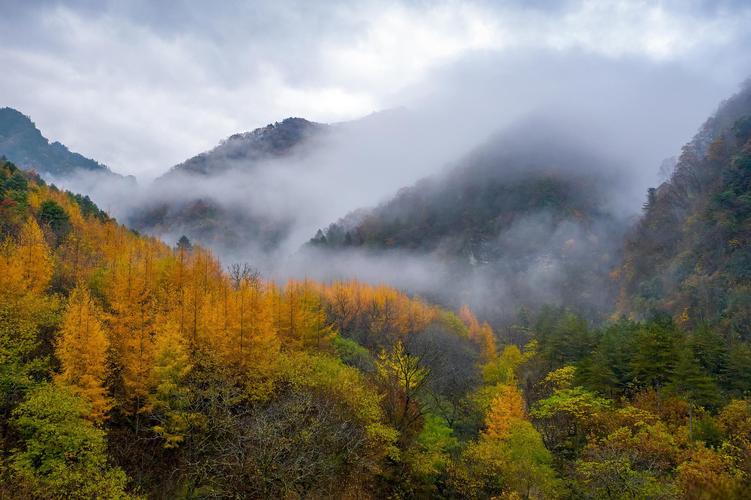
(63, 455)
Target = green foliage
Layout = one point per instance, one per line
(63, 455)
(519, 464)
(17, 182)
(691, 382)
(431, 455)
(655, 354)
(88, 207)
(54, 216)
(352, 353)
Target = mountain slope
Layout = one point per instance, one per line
(23, 144)
(689, 255)
(246, 149)
(527, 215)
(198, 205)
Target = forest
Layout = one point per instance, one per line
(131, 369)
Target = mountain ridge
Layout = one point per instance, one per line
(23, 143)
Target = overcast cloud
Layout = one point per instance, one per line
(143, 85)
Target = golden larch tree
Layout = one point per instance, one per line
(82, 350)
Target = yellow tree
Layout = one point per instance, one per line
(482, 335)
(402, 378)
(34, 257)
(131, 322)
(506, 408)
(81, 349)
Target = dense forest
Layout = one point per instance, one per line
(689, 255)
(132, 369)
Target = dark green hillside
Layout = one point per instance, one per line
(690, 255)
(23, 144)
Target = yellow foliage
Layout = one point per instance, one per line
(506, 408)
(82, 350)
(33, 256)
(562, 378)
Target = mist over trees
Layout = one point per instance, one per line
(132, 368)
(474, 261)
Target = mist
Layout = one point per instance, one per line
(609, 123)
(461, 80)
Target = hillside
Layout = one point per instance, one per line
(246, 150)
(22, 143)
(204, 214)
(689, 255)
(530, 214)
(130, 369)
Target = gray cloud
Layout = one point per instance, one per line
(142, 85)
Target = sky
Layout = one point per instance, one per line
(141, 85)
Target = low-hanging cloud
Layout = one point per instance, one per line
(141, 87)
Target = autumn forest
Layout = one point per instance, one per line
(394, 250)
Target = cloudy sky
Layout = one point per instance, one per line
(142, 85)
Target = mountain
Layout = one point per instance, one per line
(247, 149)
(198, 206)
(690, 253)
(528, 215)
(23, 144)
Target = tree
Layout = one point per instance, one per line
(516, 465)
(402, 377)
(567, 415)
(738, 377)
(34, 257)
(655, 356)
(82, 351)
(709, 474)
(170, 399)
(506, 408)
(55, 217)
(63, 455)
(691, 382)
(184, 244)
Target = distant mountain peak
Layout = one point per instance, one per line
(23, 144)
(275, 140)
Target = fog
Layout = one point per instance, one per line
(637, 112)
(612, 122)
(410, 91)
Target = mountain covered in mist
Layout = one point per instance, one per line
(207, 218)
(22, 143)
(528, 218)
(690, 254)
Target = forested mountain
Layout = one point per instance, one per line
(131, 369)
(530, 214)
(22, 143)
(690, 253)
(207, 216)
(246, 150)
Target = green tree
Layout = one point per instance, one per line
(690, 381)
(63, 455)
(738, 376)
(54, 216)
(654, 357)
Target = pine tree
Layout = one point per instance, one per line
(690, 381)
